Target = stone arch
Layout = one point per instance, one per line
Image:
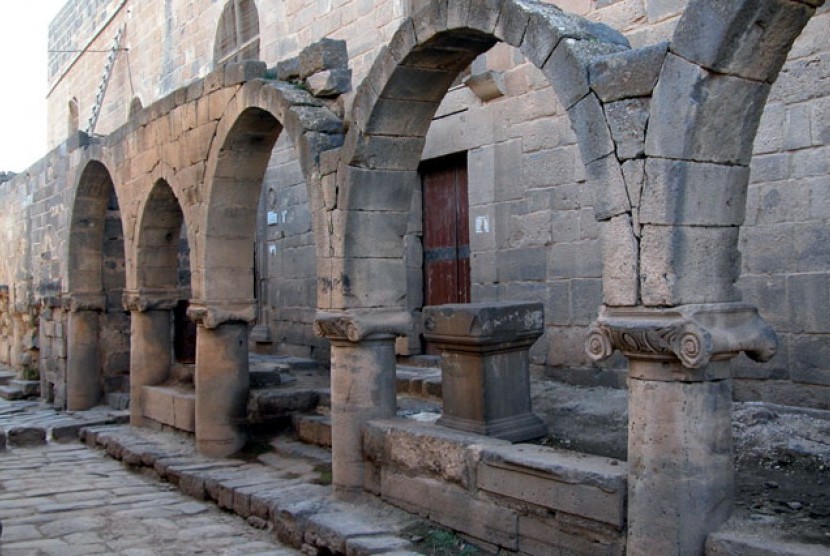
(157, 240)
(394, 106)
(98, 349)
(224, 301)
(705, 112)
(237, 33)
(235, 170)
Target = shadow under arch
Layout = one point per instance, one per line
(98, 332)
(394, 106)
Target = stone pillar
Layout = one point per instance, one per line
(222, 381)
(680, 474)
(362, 384)
(150, 344)
(83, 383)
(485, 364)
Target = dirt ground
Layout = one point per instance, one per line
(782, 459)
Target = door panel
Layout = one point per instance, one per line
(446, 232)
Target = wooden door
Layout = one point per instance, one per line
(446, 231)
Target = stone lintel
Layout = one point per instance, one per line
(507, 324)
(693, 334)
(150, 300)
(356, 325)
(212, 314)
(87, 301)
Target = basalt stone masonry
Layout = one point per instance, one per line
(254, 178)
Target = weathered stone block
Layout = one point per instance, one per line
(681, 265)
(288, 69)
(330, 83)
(451, 507)
(382, 190)
(589, 486)
(24, 436)
(627, 74)
(747, 38)
(808, 302)
(588, 122)
(244, 71)
(323, 55)
(620, 257)
(567, 67)
(810, 359)
(568, 535)
(368, 233)
(703, 116)
(677, 192)
(611, 194)
(627, 120)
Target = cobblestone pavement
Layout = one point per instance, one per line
(66, 499)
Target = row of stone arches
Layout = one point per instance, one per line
(666, 246)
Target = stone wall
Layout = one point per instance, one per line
(532, 227)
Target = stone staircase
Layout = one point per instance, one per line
(13, 389)
(419, 398)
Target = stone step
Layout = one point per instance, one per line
(6, 377)
(171, 405)
(11, 392)
(424, 382)
(274, 404)
(422, 361)
(30, 388)
(267, 378)
(313, 429)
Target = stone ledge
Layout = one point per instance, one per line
(443, 474)
(303, 515)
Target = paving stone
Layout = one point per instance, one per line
(26, 436)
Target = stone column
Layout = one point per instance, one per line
(83, 381)
(150, 343)
(222, 381)
(485, 365)
(680, 474)
(362, 384)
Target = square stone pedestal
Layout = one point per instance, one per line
(485, 365)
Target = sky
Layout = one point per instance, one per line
(23, 32)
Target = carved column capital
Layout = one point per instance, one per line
(149, 300)
(86, 301)
(212, 314)
(692, 334)
(356, 325)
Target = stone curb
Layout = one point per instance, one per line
(303, 515)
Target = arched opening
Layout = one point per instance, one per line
(99, 350)
(237, 35)
(162, 388)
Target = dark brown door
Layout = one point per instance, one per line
(446, 231)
